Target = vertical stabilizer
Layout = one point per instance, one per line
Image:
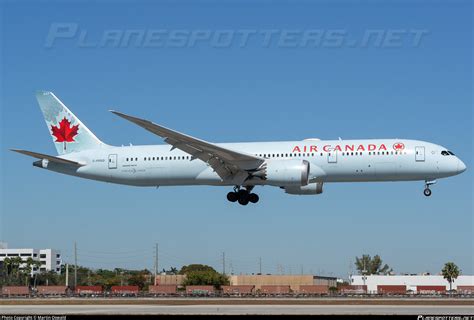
(68, 132)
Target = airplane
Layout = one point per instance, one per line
(297, 167)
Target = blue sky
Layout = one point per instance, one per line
(250, 92)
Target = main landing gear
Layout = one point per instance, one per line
(243, 196)
(427, 191)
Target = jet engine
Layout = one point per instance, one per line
(284, 172)
(312, 188)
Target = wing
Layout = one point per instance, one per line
(227, 163)
(48, 157)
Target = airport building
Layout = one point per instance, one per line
(294, 281)
(259, 280)
(169, 279)
(411, 283)
(50, 259)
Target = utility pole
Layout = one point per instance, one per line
(223, 263)
(67, 274)
(364, 272)
(156, 263)
(75, 264)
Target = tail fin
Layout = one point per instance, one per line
(68, 132)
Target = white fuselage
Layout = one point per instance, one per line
(330, 161)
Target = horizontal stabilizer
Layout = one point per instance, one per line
(47, 157)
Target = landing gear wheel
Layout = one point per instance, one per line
(232, 196)
(427, 192)
(242, 193)
(244, 200)
(253, 197)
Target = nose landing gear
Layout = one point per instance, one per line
(243, 196)
(427, 191)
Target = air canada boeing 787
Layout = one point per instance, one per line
(297, 167)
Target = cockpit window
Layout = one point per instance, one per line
(445, 153)
(451, 153)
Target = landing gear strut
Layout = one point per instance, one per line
(243, 196)
(427, 191)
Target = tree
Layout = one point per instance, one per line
(198, 274)
(48, 278)
(450, 272)
(196, 267)
(14, 275)
(137, 280)
(367, 265)
(172, 270)
(31, 265)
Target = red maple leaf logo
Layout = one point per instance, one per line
(64, 132)
(398, 146)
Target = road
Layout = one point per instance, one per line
(238, 309)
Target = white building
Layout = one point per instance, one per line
(410, 281)
(50, 259)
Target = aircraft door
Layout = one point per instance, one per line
(420, 153)
(112, 161)
(332, 157)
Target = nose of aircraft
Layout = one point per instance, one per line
(461, 166)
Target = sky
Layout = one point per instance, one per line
(350, 69)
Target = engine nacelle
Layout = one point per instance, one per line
(287, 172)
(312, 188)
